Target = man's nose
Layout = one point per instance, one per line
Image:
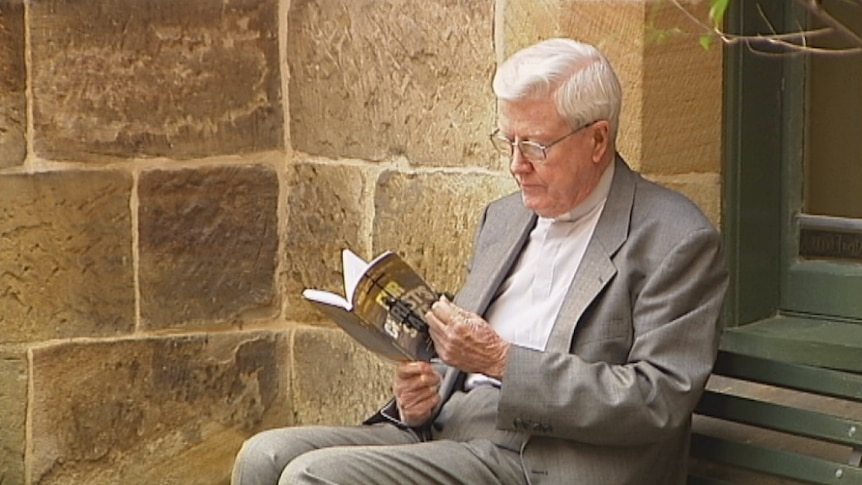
(519, 164)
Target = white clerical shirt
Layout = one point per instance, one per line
(529, 300)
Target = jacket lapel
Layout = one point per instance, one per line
(493, 263)
(596, 268)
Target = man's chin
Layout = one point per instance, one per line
(536, 205)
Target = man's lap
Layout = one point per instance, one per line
(379, 454)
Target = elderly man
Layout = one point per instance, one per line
(583, 336)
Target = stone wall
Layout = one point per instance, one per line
(172, 174)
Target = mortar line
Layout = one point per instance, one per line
(29, 128)
(498, 31)
(369, 192)
(134, 222)
(283, 164)
(28, 157)
(284, 74)
(28, 421)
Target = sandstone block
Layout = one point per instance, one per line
(170, 410)
(13, 118)
(431, 219)
(326, 207)
(525, 22)
(155, 78)
(65, 255)
(208, 245)
(682, 95)
(335, 381)
(703, 190)
(13, 402)
(373, 79)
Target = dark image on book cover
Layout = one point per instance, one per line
(383, 306)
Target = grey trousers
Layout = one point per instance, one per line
(380, 454)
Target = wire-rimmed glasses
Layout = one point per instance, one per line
(530, 150)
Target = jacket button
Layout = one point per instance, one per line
(518, 423)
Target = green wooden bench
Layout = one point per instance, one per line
(755, 439)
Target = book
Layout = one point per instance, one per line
(383, 307)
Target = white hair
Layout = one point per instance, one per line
(579, 77)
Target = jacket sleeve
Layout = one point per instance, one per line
(651, 391)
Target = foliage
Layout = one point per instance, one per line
(829, 20)
(716, 13)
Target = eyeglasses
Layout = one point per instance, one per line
(530, 150)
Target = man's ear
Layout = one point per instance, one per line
(601, 138)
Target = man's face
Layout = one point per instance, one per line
(572, 168)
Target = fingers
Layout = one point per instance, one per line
(416, 378)
(418, 412)
(423, 371)
(464, 340)
(445, 313)
(413, 397)
(416, 391)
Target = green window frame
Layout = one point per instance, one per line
(780, 305)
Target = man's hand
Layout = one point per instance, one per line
(466, 341)
(416, 386)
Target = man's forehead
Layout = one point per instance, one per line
(528, 117)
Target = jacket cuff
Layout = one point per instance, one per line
(390, 414)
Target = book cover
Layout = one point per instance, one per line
(383, 306)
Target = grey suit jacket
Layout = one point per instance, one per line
(610, 399)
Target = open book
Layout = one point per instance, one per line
(383, 306)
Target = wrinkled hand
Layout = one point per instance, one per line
(416, 386)
(465, 340)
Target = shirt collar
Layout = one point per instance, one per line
(596, 198)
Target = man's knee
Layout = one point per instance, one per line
(262, 457)
(256, 450)
(311, 467)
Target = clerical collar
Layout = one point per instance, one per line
(596, 198)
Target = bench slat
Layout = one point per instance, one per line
(793, 376)
(783, 464)
(800, 422)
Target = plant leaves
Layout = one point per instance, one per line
(716, 13)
